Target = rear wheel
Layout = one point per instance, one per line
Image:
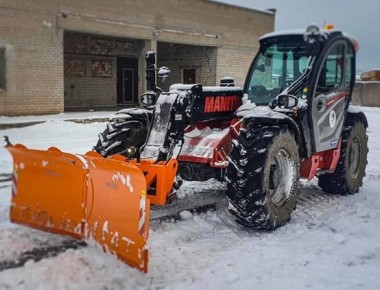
(349, 173)
(262, 177)
(121, 134)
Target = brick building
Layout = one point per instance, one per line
(70, 54)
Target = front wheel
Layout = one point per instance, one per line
(119, 135)
(262, 177)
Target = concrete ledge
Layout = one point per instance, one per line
(77, 117)
(81, 121)
(366, 94)
(19, 125)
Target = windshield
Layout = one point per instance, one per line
(276, 67)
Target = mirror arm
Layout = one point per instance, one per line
(273, 104)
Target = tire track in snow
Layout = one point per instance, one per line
(5, 177)
(314, 198)
(43, 252)
(313, 201)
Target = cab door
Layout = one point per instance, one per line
(331, 94)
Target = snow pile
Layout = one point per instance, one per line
(191, 187)
(185, 215)
(67, 136)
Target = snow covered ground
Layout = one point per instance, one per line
(332, 242)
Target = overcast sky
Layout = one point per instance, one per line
(360, 18)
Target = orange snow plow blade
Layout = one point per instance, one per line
(86, 197)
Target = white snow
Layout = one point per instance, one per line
(105, 227)
(333, 244)
(185, 215)
(206, 139)
(125, 180)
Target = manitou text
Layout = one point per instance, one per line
(221, 103)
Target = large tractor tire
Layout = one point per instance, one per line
(121, 134)
(262, 177)
(350, 171)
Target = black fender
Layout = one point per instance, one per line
(136, 113)
(357, 113)
(268, 117)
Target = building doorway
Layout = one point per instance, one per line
(127, 80)
(189, 76)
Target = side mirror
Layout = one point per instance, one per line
(148, 99)
(163, 72)
(287, 101)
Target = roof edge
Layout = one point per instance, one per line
(241, 7)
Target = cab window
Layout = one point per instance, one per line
(276, 67)
(331, 73)
(349, 66)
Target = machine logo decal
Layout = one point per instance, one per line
(332, 119)
(221, 103)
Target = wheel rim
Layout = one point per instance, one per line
(281, 177)
(354, 158)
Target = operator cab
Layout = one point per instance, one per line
(311, 74)
(285, 62)
(282, 60)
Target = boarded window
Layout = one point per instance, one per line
(124, 47)
(2, 69)
(75, 43)
(101, 68)
(100, 46)
(75, 68)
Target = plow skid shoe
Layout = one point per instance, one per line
(86, 197)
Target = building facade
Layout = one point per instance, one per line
(76, 55)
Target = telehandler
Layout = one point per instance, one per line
(292, 120)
